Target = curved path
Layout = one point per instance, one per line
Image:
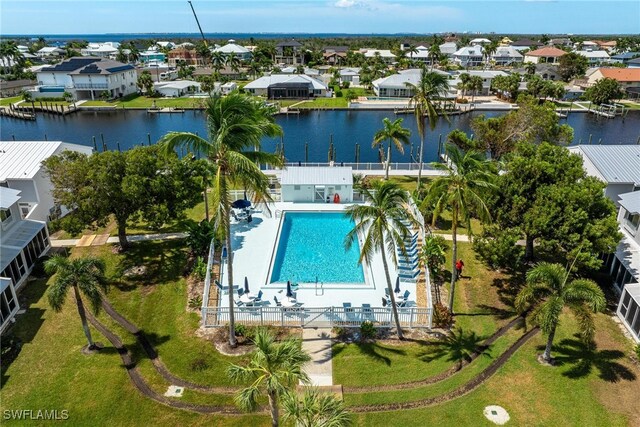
(139, 382)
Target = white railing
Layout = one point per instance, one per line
(207, 282)
(381, 317)
(239, 194)
(360, 166)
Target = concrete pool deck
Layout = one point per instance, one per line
(254, 244)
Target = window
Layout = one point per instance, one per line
(5, 215)
(633, 220)
(296, 188)
(624, 305)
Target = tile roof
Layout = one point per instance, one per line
(622, 74)
(547, 52)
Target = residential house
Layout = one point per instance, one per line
(396, 85)
(289, 53)
(506, 41)
(23, 242)
(506, 55)
(421, 55)
(624, 58)
(164, 45)
(479, 42)
(294, 70)
(545, 55)
(21, 169)
(525, 44)
(629, 78)
(560, 41)
(634, 63)
(469, 56)
(233, 49)
(350, 75)
(102, 50)
(447, 49)
(184, 55)
(335, 55)
(277, 86)
(152, 56)
(178, 88)
(226, 72)
(49, 52)
(607, 45)
(588, 46)
(86, 77)
(486, 75)
(595, 56)
(384, 54)
(316, 184)
(14, 87)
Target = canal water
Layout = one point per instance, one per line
(314, 129)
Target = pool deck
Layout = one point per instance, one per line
(254, 244)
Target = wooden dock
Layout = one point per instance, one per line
(166, 110)
(62, 110)
(16, 114)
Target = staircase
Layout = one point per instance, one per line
(409, 261)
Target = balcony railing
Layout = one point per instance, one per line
(91, 86)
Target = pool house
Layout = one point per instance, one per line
(291, 266)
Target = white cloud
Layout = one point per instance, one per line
(345, 3)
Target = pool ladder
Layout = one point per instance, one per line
(319, 290)
(278, 213)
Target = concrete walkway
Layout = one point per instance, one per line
(101, 239)
(460, 237)
(317, 344)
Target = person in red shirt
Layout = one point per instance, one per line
(459, 265)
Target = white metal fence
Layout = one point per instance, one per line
(376, 166)
(410, 317)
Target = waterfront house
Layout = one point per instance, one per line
(619, 167)
(384, 54)
(102, 50)
(21, 169)
(506, 55)
(49, 52)
(469, 56)
(233, 49)
(86, 77)
(316, 184)
(178, 88)
(350, 75)
(152, 56)
(525, 44)
(335, 55)
(396, 85)
(595, 56)
(545, 55)
(294, 70)
(14, 87)
(277, 86)
(624, 58)
(184, 55)
(487, 77)
(289, 53)
(23, 242)
(447, 49)
(544, 71)
(629, 78)
(479, 42)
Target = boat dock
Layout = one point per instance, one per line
(59, 109)
(610, 111)
(166, 110)
(16, 113)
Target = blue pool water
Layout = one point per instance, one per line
(311, 247)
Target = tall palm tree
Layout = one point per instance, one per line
(430, 87)
(315, 409)
(85, 276)
(218, 61)
(236, 124)
(381, 224)
(465, 78)
(392, 132)
(489, 50)
(434, 53)
(274, 369)
(548, 290)
(234, 63)
(476, 83)
(462, 189)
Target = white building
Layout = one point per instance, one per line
(384, 54)
(397, 85)
(506, 55)
(350, 75)
(486, 75)
(228, 87)
(23, 242)
(233, 49)
(49, 52)
(287, 86)
(469, 56)
(448, 49)
(178, 88)
(102, 50)
(479, 42)
(317, 184)
(86, 77)
(422, 54)
(21, 170)
(595, 56)
(294, 70)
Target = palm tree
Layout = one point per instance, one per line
(236, 125)
(465, 78)
(463, 189)
(85, 276)
(274, 369)
(476, 85)
(381, 224)
(431, 86)
(434, 53)
(530, 67)
(254, 69)
(234, 63)
(411, 50)
(315, 409)
(548, 290)
(218, 61)
(489, 50)
(391, 132)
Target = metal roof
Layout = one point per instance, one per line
(617, 164)
(266, 81)
(22, 159)
(16, 238)
(4, 283)
(8, 197)
(628, 252)
(631, 202)
(317, 176)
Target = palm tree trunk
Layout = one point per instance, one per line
(420, 162)
(392, 297)
(528, 248)
(206, 199)
(273, 407)
(386, 174)
(233, 342)
(546, 356)
(454, 272)
(83, 318)
(122, 234)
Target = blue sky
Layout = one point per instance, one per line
(319, 16)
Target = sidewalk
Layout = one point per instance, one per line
(317, 344)
(101, 239)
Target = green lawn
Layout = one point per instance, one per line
(138, 101)
(4, 102)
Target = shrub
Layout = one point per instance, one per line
(241, 330)
(339, 331)
(462, 101)
(637, 351)
(346, 85)
(367, 330)
(195, 302)
(434, 253)
(442, 317)
(200, 269)
(498, 248)
(199, 364)
(338, 94)
(199, 236)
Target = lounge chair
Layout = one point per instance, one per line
(384, 302)
(405, 297)
(386, 291)
(240, 292)
(258, 298)
(239, 303)
(367, 314)
(278, 303)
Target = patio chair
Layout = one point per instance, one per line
(240, 292)
(258, 298)
(278, 303)
(367, 314)
(222, 289)
(386, 291)
(384, 302)
(405, 297)
(239, 303)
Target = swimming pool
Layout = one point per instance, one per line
(311, 248)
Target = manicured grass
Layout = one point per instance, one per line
(139, 101)
(7, 101)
